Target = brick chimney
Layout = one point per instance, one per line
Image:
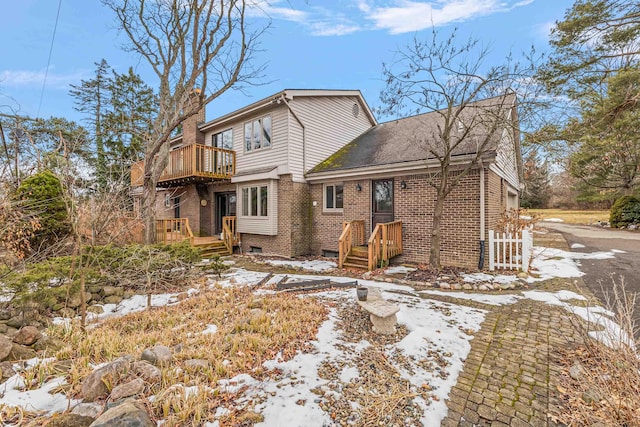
(190, 132)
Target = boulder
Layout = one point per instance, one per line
(96, 309)
(107, 291)
(6, 371)
(131, 388)
(147, 371)
(51, 344)
(5, 347)
(113, 299)
(158, 355)
(94, 385)
(67, 312)
(70, 420)
(17, 322)
(76, 301)
(5, 314)
(27, 335)
(92, 410)
(129, 414)
(21, 352)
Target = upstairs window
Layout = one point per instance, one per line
(257, 134)
(223, 139)
(333, 197)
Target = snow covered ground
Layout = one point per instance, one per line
(432, 326)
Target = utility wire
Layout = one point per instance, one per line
(46, 71)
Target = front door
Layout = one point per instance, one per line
(225, 206)
(381, 201)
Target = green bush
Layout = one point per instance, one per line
(42, 195)
(625, 211)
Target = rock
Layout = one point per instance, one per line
(576, 371)
(505, 286)
(147, 371)
(456, 286)
(76, 301)
(70, 420)
(129, 414)
(94, 385)
(444, 285)
(5, 347)
(3, 328)
(27, 335)
(632, 227)
(17, 322)
(483, 287)
(49, 343)
(5, 314)
(467, 287)
(158, 355)
(131, 388)
(113, 299)
(108, 291)
(97, 309)
(196, 364)
(6, 371)
(21, 352)
(92, 410)
(367, 276)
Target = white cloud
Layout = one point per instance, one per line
(22, 78)
(271, 9)
(333, 28)
(408, 16)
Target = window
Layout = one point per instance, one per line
(223, 139)
(333, 197)
(257, 134)
(255, 201)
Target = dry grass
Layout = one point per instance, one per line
(601, 383)
(250, 331)
(571, 216)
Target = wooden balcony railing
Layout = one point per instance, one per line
(352, 235)
(176, 230)
(191, 163)
(385, 243)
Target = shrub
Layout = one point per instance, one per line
(625, 211)
(42, 195)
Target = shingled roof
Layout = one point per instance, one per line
(416, 138)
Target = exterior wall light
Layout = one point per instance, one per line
(358, 187)
(403, 185)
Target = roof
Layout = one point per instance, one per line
(288, 94)
(416, 138)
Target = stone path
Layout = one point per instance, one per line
(509, 377)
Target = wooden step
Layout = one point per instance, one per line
(360, 251)
(356, 266)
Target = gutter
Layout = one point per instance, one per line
(304, 133)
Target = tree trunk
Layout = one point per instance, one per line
(436, 232)
(148, 212)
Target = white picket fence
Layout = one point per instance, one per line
(511, 251)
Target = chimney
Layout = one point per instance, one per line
(190, 132)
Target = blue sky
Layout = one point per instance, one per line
(325, 44)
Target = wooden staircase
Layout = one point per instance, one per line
(177, 230)
(210, 246)
(384, 243)
(357, 257)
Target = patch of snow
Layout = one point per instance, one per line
(618, 251)
(39, 399)
(527, 217)
(577, 246)
(211, 329)
(399, 269)
(551, 262)
(484, 277)
(310, 265)
(349, 373)
(552, 220)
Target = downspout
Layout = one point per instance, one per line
(482, 219)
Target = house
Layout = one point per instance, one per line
(251, 164)
(312, 172)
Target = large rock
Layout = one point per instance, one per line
(147, 371)
(91, 409)
(17, 321)
(108, 291)
(27, 335)
(128, 414)
(75, 300)
(50, 344)
(5, 347)
(70, 420)
(113, 299)
(6, 371)
(21, 352)
(131, 388)
(94, 385)
(5, 314)
(158, 355)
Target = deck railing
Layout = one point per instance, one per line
(384, 243)
(175, 230)
(193, 160)
(352, 235)
(229, 233)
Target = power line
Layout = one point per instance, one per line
(46, 71)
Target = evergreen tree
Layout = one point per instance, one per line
(537, 182)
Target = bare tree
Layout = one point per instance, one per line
(470, 103)
(198, 49)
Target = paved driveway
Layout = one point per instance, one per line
(599, 272)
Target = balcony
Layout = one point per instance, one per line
(191, 165)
